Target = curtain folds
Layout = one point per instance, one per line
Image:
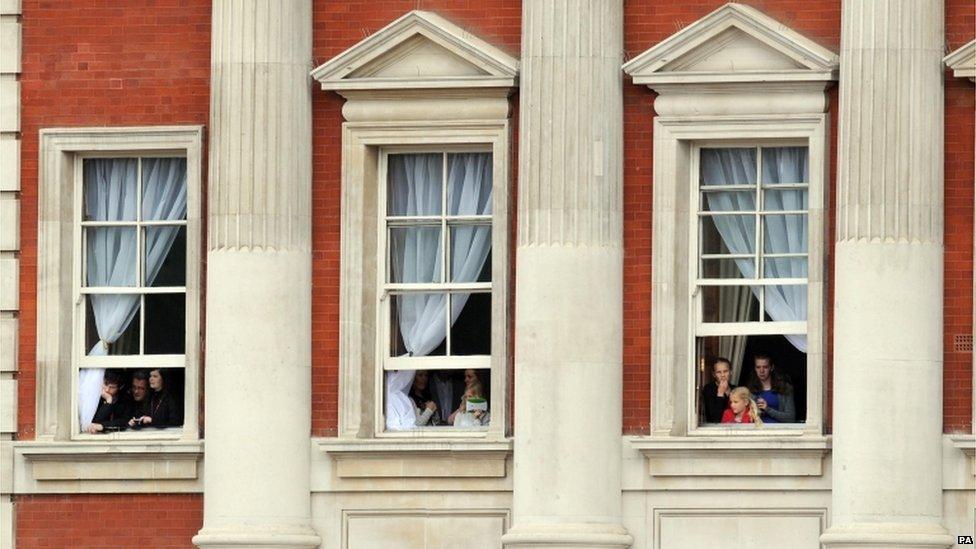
(416, 252)
(110, 194)
(782, 233)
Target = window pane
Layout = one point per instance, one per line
(165, 261)
(785, 165)
(110, 256)
(785, 199)
(469, 184)
(728, 268)
(164, 188)
(785, 234)
(110, 189)
(418, 324)
(786, 303)
(734, 166)
(416, 254)
(460, 399)
(156, 394)
(727, 234)
(729, 201)
(789, 359)
(785, 267)
(730, 304)
(471, 331)
(415, 183)
(165, 324)
(470, 253)
(115, 318)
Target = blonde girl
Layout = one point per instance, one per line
(742, 409)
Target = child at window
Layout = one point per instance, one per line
(742, 409)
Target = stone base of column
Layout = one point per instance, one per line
(257, 537)
(888, 535)
(567, 536)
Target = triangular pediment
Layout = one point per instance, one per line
(963, 61)
(418, 50)
(734, 43)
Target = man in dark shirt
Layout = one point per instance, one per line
(139, 408)
(110, 414)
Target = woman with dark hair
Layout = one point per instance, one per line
(772, 392)
(161, 409)
(422, 401)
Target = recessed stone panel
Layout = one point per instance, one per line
(741, 529)
(424, 530)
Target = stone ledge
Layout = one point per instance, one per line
(966, 444)
(417, 459)
(747, 456)
(81, 461)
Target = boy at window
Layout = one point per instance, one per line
(715, 395)
(110, 413)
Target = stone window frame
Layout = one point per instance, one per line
(676, 141)
(61, 153)
(360, 382)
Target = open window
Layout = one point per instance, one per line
(425, 233)
(751, 285)
(119, 280)
(435, 243)
(739, 239)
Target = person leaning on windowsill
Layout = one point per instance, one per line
(715, 395)
(111, 413)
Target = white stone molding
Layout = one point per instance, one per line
(60, 150)
(10, 66)
(421, 81)
(420, 50)
(889, 256)
(569, 297)
(735, 75)
(736, 527)
(422, 527)
(360, 389)
(378, 459)
(259, 277)
(963, 61)
(734, 44)
(733, 456)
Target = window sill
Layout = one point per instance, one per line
(740, 455)
(417, 458)
(113, 460)
(967, 445)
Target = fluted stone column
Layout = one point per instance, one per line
(887, 419)
(258, 344)
(568, 320)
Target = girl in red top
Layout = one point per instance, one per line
(742, 409)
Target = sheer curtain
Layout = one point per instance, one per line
(110, 195)
(782, 233)
(416, 253)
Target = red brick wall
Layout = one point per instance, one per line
(338, 26)
(92, 64)
(98, 521)
(960, 110)
(646, 24)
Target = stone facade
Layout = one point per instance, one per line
(592, 112)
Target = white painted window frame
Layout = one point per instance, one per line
(362, 332)
(59, 354)
(703, 329)
(676, 142)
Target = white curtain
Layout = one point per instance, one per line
(782, 233)
(110, 195)
(416, 253)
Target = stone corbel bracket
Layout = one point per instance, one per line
(736, 60)
(733, 457)
(421, 67)
(101, 467)
(963, 61)
(967, 445)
